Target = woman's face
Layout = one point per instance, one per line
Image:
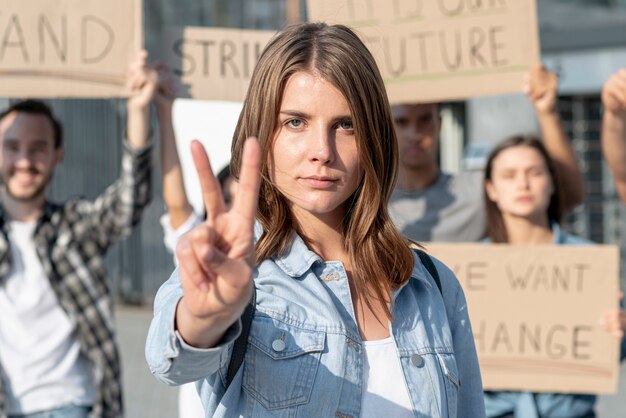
(314, 160)
(521, 184)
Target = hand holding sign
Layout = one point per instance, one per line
(541, 85)
(217, 257)
(614, 321)
(614, 92)
(166, 87)
(141, 80)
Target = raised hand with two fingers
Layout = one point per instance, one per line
(216, 259)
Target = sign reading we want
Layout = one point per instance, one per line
(433, 50)
(535, 312)
(68, 48)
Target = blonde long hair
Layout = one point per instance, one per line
(380, 257)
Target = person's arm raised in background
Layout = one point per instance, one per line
(119, 208)
(541, 87)
(614, 128)
(179, 209)
(142, 82)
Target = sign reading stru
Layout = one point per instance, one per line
(68, 48)
(535, 312)
(433, 50)
(214, 63)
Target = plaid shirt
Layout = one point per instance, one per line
(71, 240)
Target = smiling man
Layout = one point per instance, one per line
(58, 353)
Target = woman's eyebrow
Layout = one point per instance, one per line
(295, 113)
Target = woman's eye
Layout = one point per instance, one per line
(294, 123)
(345, 124)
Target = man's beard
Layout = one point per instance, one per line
(33, 195)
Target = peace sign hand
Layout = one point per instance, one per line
(216, 258)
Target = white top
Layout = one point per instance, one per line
(39, 351)
(171, 235)
(384, 391)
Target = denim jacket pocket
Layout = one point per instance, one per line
(448, 366)
(281, 362)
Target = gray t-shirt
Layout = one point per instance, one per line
(451, 210)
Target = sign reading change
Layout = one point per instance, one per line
(433, 50)
(214, 63)
(68, 48)
(535, 312)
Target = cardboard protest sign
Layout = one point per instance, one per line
(442, 49)
(214, 63)
(535, 312)
(68, 48)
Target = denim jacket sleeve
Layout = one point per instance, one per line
(470, 396)
(170, 359)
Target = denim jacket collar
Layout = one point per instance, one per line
(298, 259)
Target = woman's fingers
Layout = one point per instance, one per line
(189, 265)
(211, 191)
(249, 180)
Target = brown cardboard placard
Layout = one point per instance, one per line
(68, 48)
(214, 63)
(436, 50)
(535, 311)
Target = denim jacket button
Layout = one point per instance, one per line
(278, 345)
(417, 360)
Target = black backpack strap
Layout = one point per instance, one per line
(430, 266)
(241, 343)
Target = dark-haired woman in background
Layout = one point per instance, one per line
(524, 207)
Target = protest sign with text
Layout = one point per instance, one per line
(214, 63)
(442, 49)
(68, 48)
(535, 312)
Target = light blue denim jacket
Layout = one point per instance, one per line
(317, 370)
(546, 405)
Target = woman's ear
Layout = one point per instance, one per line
(491, 191)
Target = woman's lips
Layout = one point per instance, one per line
(318, 182)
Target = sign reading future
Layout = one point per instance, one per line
(535, 312)
(442, 49)
(68, 48)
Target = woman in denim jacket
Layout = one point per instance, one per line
(347, 321)
(524, 207)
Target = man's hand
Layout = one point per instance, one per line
(141, 80)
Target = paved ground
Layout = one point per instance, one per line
(145, 396)
(148, 398)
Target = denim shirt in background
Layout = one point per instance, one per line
(545, 405)
(317, 368)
